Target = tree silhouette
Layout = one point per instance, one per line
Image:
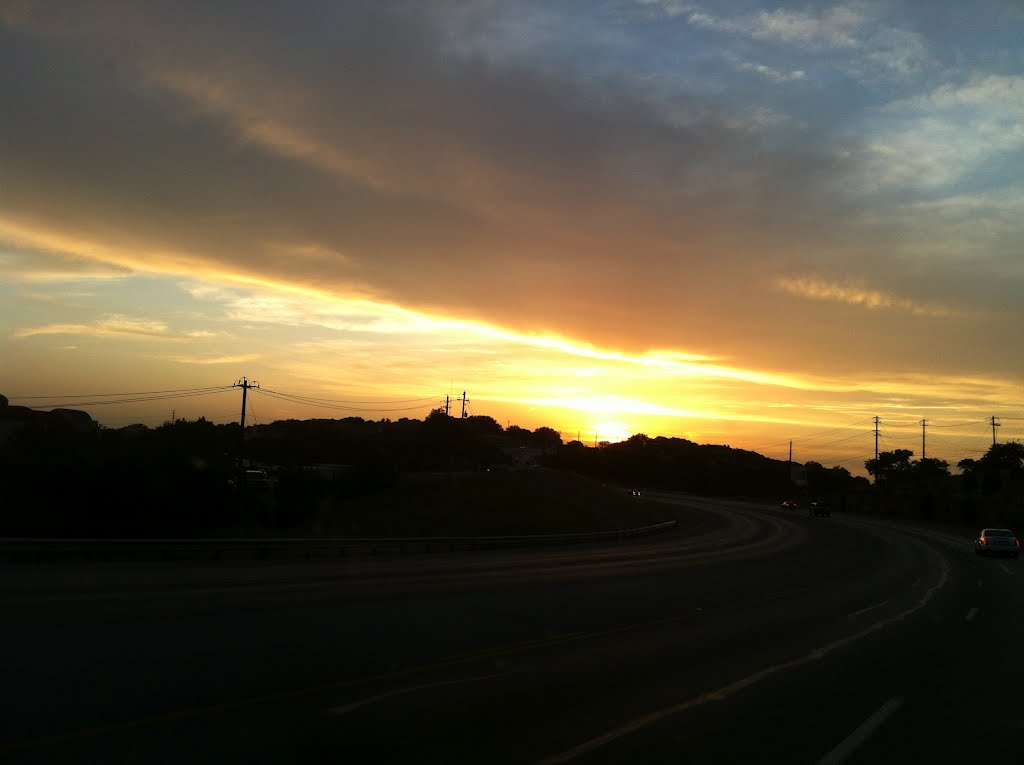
(547, 438)
(1008, 456)
(890, 464)
(930, 468)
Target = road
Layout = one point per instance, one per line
(753, 635)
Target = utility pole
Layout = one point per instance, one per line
(924, 453)
(876, 445)
(246, 386)
(464, 402)
(173, 418)
(994, 426)
(789, 464)
(447, 405)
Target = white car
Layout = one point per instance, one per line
(997, 542)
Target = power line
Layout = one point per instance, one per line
(833, 461)
(838, 441)
(339, 401)
(312, 402)
(830, 431)
(252, 411)
(136, 393)
(956, 443)
(136, 400)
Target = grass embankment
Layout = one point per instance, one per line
(494, 503)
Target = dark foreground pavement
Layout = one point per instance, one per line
(756, 637)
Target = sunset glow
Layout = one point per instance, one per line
(734, 226)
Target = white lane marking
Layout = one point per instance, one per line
(1011, 572)
(346, 708)
(972, 615)
(865, 610)
(657, 715)
(863, 732)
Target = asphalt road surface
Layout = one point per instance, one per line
(751, 636)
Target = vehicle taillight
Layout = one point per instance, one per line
(1017, 541)
(984, 541)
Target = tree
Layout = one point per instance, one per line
(890, 464)
(823, 480)
(967, 465)
(930, 468)
(1001, 463)
(547, 438)
(483, 425)
(517, 432)
(1008, 456)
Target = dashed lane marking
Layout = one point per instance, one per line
(852, 614)
(639, 723)
(851, 743)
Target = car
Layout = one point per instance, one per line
(789, 505)
(820, 508)
(997, 542)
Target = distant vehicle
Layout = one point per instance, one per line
(997, 542)
(257, 479)
(820, 508)
(789, 505)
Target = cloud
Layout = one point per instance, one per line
(43, 253)
(870, 47)
(359, 317)
(837, 27)
(62, 299)
(116, 325)
(770, 73)
(210, 360)
(855, 294)
(939, 138)
(366, 154)
(21, 263)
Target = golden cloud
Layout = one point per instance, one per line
(853, 293)
(115, 325)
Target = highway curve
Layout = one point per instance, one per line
(753, 636)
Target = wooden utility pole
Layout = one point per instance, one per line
(246, 386)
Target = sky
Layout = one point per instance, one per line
(743, 223)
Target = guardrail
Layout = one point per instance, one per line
(38, 549)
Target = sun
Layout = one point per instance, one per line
(611, 431)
